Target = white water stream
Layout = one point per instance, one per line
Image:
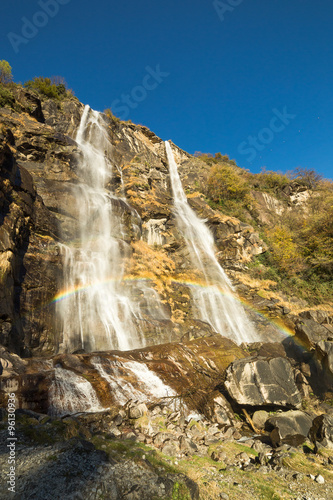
(98, 313)
(70, 393)
(131, 380)
(216, 302)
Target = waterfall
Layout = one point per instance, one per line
(70, 393)
(98, 313)
(131, 380)
(216, 302)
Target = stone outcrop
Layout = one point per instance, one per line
(310, 332)
(191, 369)
(28, 259)
(262, 383)
(313, 331)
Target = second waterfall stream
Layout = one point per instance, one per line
(216, 302)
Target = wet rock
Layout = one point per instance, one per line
(261, 382)
(291, 427)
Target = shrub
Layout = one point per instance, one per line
(306, 176)
(109, 114)
(6, 97)
(270, 181)
(284, 250)
(55, 88)
(225, 183)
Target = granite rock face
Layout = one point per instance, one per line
(28, 259)
(39, 161)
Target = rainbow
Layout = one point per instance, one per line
(69, 292)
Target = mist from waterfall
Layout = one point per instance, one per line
(98, 313)
(216, 302)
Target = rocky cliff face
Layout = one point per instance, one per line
(181, 393)
(39, 161)
(39, 164)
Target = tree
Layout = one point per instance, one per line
(5, 72)
(308, 176)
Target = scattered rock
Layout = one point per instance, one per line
(137, 411)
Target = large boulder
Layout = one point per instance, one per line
(322, 317)
(291, 427)
(321, 431)
(262, 382)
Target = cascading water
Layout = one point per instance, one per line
(131, 380)
(70, 393)
(98, 313)
(215, 303)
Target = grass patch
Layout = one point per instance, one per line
(300, 463)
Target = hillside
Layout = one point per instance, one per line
(166, 319)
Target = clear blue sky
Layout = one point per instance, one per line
(229, 73)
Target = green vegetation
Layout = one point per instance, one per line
(180, 492)
(226, 186)
(109, 114)
(6, 97)
(5, 72)
(299, 238)
(54, 87)
(300, 256)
